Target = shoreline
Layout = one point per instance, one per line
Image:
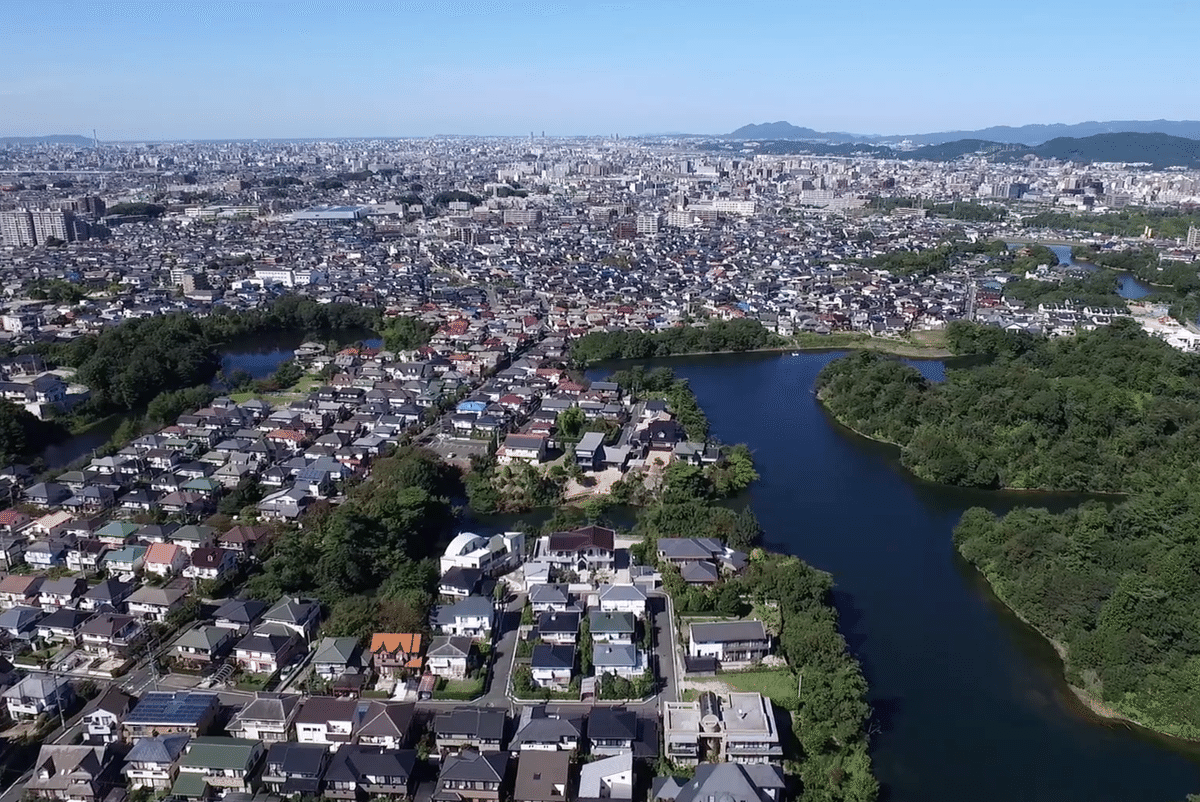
(1006, 489)
(869, 344)
(1094, 706)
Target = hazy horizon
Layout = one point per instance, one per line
(139, 70)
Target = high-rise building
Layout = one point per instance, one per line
(53, 224)
(26, 228)
(1193, 238)
(16, 228)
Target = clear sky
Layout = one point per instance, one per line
(191, 69)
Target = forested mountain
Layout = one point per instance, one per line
(1004, 134)
(53, 139)
(1157, 150)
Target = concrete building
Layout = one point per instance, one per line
(734, 727)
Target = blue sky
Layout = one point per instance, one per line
(182, 69)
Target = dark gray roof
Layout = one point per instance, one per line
(487, 725)
(727, 631)
(611, 723)
(158, 749)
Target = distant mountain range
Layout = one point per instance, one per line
(1157, 150)
(53, 139)
(1020, 135)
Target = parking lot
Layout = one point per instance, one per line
(457, 450)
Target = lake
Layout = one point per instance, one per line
(1128, 285)
(969, 702)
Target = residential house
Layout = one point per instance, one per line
(586, 551)
(606, 778)
(543, 776)
(125, 560)
(245, 540)
(62, 592)
(387, 724)
(42, 555)
(155, 604)
(489, 555)
(166, 559)
(214, 766)
(538, 729)
(612, 628)
(729, 782)
(551, 598)
(558, 628)
(268, 649)
(239, 614)
(472, 617)
(297, 614)
(334, 657)
(110, 634)
(472, 776)
(329, 721)
(470, 728)
(204, 646)
(360, 772)
(109, 594)
(729, 642)
(37, 694)
(553, 666)
(21, 590)
(193, 536)
(395, 653)
(103, 715)
(623, 660)
(12, 549)
(459, 583)
(623, 599)
(737, 727)
(268, 717)
(153, 762)
(611, 731)
(210, 563)
(171, 712)
(84, 555)
(294, 769)
(449, 656)
(72, 773)
(62, 626)
(20, 623)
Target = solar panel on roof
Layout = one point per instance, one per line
(164, 707)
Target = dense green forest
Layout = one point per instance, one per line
(372, 559)
(1095, 289)
(1167, 223)
(128, 365)
(937, 260)
(1107, 411)
(1113, 584)
(24, 435)
(743, 334)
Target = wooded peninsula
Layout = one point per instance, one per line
(1113, 585)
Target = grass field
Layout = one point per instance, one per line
(779, 686)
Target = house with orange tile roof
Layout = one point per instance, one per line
(166, 559)
(393, 653)
(13, 520)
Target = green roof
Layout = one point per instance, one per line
(190, 785)
(219, 753)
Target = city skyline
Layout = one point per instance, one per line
(135, 70)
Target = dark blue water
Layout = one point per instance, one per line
(970, 703)
(261, 355)
(1128, 286)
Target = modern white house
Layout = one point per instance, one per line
(492, 555)
(729, 641)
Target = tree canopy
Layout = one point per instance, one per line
(1112, 410)
(741, 334)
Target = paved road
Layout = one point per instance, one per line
(505, 652)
